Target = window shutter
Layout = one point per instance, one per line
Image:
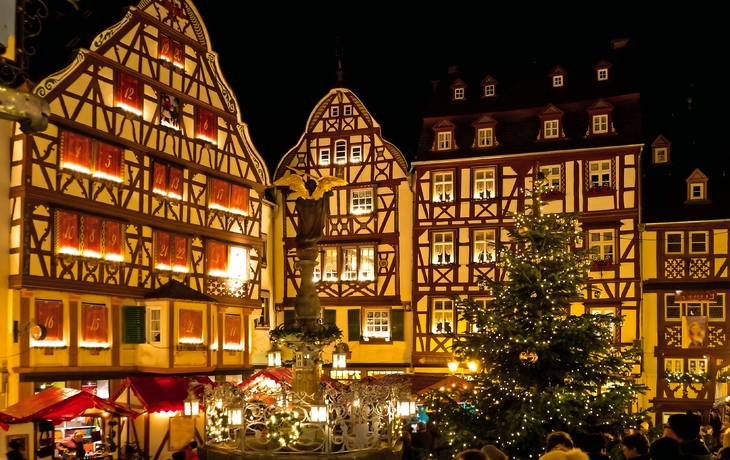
(330, 316)
(133, 328)
(289, 316)
(396, 333)
(353, 325)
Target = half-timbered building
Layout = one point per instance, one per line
(362, 275)
(137, 219)
(485, 137)
(685, 262)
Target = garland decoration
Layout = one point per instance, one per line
(284, 428)
(687, 377)
(292, 331)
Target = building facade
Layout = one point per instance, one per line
(362, 275)
(138, 223)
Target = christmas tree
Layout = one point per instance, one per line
(541, 369)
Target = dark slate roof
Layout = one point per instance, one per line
(175, 290)
(522, 92)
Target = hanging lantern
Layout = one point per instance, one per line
(191, 405)
(528, 357)
(453, 366)
(319, 412)
(274, 356)
(339, 357)
(472, 366)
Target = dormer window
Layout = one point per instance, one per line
(490, 86)
(601, 69)
(444, 135)
(484, 132)
(551, 123)
(459, 88)
(489, 90)
(334, 112)
(660, 150)
(697, 187)
(600, 121)
(602, 74)
(557, 76)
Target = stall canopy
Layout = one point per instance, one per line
(58, 405)
(421, 384)
(162, 393)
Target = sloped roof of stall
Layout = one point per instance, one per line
(279, 375)
(162, 393)
(58, 405)
(423, 383)
(175, 290)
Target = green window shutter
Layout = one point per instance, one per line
(330, 316)
(133, 327)
(397, 323)
(353, 325)
(289, 316)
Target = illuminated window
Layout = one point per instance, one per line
(458, 93)
(167, 180)
(674, 243)
(349, 266)
(605, 311)
(601, 241)
(602, 74)
(484, 242)
(552, 175)
(442, 316)
(171, 252)
(228, 197)
(329, 267)
(443, 186)
(356, 154)
(226, 261)
(324, 157)
(698, 242)
(442, 248)
(660, 155)
(376, 324)
(600, 124)
(444, 140)
(697, 191)
(557, 80)
(154, 325)
(88, 237)
(551, 129)
(358, 264)
(674, 365)
(340, 152)
(696, 366)
(600, 174)
(488, 90)
(484, 184)
(485, 138)
(361, 201)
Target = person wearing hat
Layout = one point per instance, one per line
(595, 444)
(493, 453)
(665, 449)
(635, 446)
(685, 429)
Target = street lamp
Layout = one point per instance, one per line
(339, 357)
(274, 356)
(191, 405)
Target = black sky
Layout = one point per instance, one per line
(280, 58)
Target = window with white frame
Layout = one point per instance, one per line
(334, 111)
(600, 124)
(602, 74)
(324, 157)
(488, 90)
(697, 191)
(557, 80)
(443, 186)
(674, 365)
(485, 137)
(349, 266)
(552, 175)
(376, 324)
(600, 174)
(348, 110)
(458, 93)
(601, 242)
(484, 184)
(356, 153)
(698, 242)
(442, 248)
(442, 317)
(484, 246)
(696, 366)
(444, 140)
(361, 201)
(367, 264)
(660, 155)
(551, 129)
(154, 325)
(330, 268)
(674, 243)
(340, 152)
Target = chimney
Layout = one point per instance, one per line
(453, 69)
(619, 43)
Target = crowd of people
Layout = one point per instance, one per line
(684, 437)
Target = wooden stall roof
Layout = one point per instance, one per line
(163, 393)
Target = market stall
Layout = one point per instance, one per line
(57, 414)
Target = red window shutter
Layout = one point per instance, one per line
(68, 232)
(191, 326)
(217, 258)
(113, 240)
(219, 194)
(164, 254)
(178, 54)
(181, 252)
(239, 199)
(77, 152)
(159, 174)
(207, 128)
(108, 162)
(94, 323)
(92, 236)
(232, 330)
(175, 182)
(128, 93)
(165, 49)
(49, 313)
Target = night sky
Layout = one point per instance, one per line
(280, 59)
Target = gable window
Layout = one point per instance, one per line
(557, 80)
(348, 110)
(458, 93)
(484, 184)
(602, 74)
(167, 180)
(600, 174)
(443, 187)
(674, 243)
(444, 141)
(228, 197)
(334, 111)
(128, 92)
(376, 324)
(697, 191)
(340, 152)
(601, 242)
(488, 90)
(484, 136)
(154, 325)
(361, 201)
(442, 248)
(171, 252)
(89, 237)
(600, 124)
(551, 129)
(206, 128)
(226, 261)
(356, 154)
(358, 264)
(698, 242)
(484, 246)
(660, 155)
(442, 316)
(324, 157)
(552, 175)
(661, 149)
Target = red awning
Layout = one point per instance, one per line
(163, 393)
(58, 405)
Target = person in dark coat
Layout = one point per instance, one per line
(635, 446)
(594, 444)
(421, 441)
(685, 429)
(665, 449)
